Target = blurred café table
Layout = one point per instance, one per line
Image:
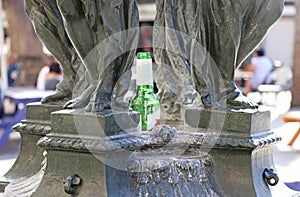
(241, 74)
(21, 96)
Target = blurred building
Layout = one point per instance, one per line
(296, 66)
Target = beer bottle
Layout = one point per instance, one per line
(145, 101)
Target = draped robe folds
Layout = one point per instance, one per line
(199, 42)
(210, 39)
(48, 24)
(103, 33)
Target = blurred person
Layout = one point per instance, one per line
(13, 70)
(241, 80)
(53, 77)
(261, 66)
(41, 79)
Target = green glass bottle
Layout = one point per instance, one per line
(145, 101)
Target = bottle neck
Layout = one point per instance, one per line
(144, 72)
(142, 89)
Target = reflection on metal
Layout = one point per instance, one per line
(147, 11)
(72, 183)
(270, 177)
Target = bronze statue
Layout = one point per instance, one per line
(48, 25)
(90, 24)
(104, 35)
(96, 30)
(225, 32)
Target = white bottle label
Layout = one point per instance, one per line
(153, 119)
(144, 72)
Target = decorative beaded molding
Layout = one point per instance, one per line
(250, 142)
(157, 138)
(36, 128)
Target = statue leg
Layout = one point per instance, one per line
(83, 37)
(49, 28)
(228, 42)
(95, 28)
(118, 52)
(220, 35)
(172, 44)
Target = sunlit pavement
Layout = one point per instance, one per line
(9, 153)
(286, 159)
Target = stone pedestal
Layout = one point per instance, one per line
(242, 149)
(107, 123)
(92, 154)
(247, 121)
(77, 147)
(30, 158)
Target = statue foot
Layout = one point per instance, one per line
(240, 102)
(99, 101)
(232, 99)
(100, 106)
(82, 100)
(102, 100)
(97, 107)
(76, 103)
(56, 97)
